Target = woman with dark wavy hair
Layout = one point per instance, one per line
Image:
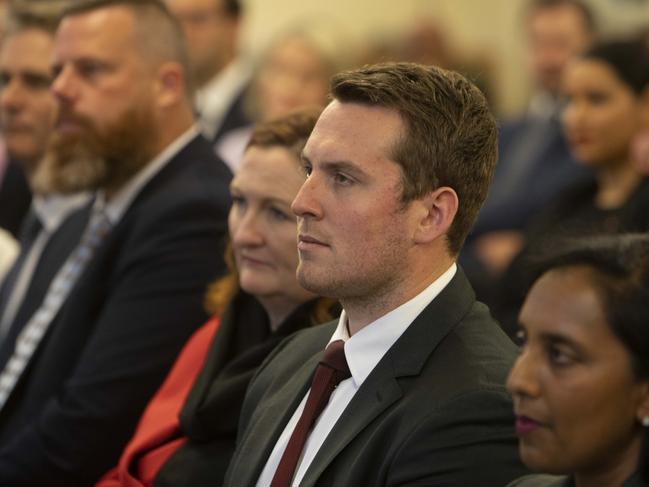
(581, 384)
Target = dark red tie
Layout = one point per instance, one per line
(331, 370)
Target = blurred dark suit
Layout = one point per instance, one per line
(120, 329)
(15, 198)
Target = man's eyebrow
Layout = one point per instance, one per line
(346, 166)
(335, 165)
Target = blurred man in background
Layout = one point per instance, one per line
(28, 111)
(97, 335)
(219, 75)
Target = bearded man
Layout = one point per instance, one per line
(100, 336)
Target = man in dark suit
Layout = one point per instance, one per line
(397, 167)
(101, 335)
(221, 76)
(27, 111)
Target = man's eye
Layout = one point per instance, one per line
(307, 169)
(342, 179)
(90, 69)
(37, 82)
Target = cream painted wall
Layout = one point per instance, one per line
(485, 27)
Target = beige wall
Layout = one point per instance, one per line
(484, 27)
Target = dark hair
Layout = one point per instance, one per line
(232, 8)
(619, 266)
(20, 20)
(620, 270)
(159, 34)
(290, 132)
(584, 10)
(629, 58)
(450, 136)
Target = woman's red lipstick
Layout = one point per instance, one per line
(525, 425)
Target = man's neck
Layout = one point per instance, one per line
(361, 311)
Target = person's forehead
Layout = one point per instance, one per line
(182, 6)
(106, 30)
(559, 17)
(355, 128)
(27, 49)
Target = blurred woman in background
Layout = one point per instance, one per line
(186, 435)
(581, 384)
(607, 105)
(293, 73)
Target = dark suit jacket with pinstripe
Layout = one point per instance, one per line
(120, 329)
(434, 411)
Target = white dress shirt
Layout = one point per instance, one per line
(215, 98)
(363, 352)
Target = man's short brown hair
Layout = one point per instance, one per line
(160, 37)
(450, 137)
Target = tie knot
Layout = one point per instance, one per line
(334, 357)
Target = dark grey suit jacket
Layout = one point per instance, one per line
(434, 411)
(15, 198)
(120, 329)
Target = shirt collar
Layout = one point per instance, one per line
(213, 99)
(52, 209)
(544, 106)
(120, 202)
(367, 347)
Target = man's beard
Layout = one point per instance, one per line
(88, 160)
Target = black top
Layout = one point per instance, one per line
(210, 416)
(574, 214)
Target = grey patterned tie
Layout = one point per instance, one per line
(58, 291)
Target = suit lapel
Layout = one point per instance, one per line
(275, 413)
(406, 358)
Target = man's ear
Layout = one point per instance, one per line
(439, 208)
(170, 84)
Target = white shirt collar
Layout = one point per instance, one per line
(544, 106)
(52, 209)
(120, 202)
(214, 99)
(367, 347)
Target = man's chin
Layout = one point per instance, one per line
(66, 173)
(312, 280)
